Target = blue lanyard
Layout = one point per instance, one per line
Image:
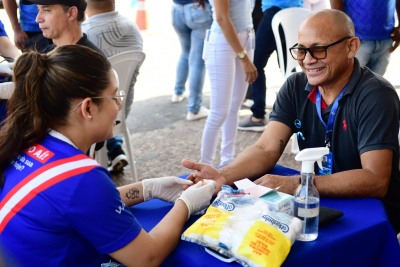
(332, 115)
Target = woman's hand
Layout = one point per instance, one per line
(164, 188)
(249, 69)
(198, 196)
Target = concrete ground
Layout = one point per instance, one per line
(160, 134)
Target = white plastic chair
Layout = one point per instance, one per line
(289, 19)
(125, 64)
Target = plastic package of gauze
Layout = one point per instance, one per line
(242, 226)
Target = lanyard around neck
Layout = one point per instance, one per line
(332, 115)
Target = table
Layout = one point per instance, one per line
(363, 236)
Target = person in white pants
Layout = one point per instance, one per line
(228, 55)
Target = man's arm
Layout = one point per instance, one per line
(337, 4)
(7, 49)
(253, 162)
(19, 35)
(261, 157)
(370, 181)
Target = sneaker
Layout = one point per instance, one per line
(177, 98)
(249, 125)
(203, 113)
(118, 160)
(248, 103)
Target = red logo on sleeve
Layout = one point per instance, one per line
(344, 125)
(40, 153)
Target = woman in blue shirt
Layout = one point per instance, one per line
(58, 207)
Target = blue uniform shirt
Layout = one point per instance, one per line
(74, 222)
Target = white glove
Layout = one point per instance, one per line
(198, 196)
(165, 188)
(6, 90)
(6, 69)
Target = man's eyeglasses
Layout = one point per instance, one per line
(118, 98)
(317, 52)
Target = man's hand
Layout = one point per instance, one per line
(19, 38)
(164, 188)
(395, 35)
(204, 171)
(288, 183)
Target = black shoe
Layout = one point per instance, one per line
(249, 125)
(118, 160)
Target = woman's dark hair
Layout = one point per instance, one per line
(46, 87)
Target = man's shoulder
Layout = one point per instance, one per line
(110, 22)
(48, 48)
(86, 42)
(369, 88)
(370, 80)
(106, 17)
(297, 79)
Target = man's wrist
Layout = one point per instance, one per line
(16, 27)
(224, 180)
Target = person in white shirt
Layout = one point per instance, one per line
(113, 33)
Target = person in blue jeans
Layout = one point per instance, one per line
(265, 46)
(374, 22)
(190, 22)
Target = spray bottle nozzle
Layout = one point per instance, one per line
(310, 155)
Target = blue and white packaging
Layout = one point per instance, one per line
(277, 201)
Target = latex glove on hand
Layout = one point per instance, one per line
(6, 90)
(165, 188)
(198, 196)
(6, 69)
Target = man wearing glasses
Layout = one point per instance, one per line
(335, 103)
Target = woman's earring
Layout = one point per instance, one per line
(90, 116)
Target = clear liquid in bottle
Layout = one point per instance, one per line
(309, 214)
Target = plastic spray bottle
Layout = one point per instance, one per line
(306, 196)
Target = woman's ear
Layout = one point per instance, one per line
(86, 108)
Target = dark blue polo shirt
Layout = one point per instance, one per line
(367, 119)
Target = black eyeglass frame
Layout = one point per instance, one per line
(309, 49)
